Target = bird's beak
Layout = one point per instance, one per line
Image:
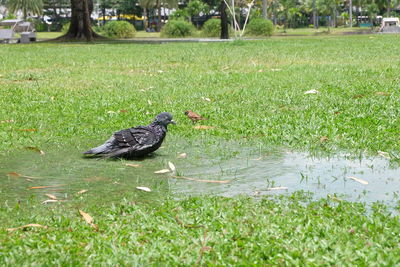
(173, 122)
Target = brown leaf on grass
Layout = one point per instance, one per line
(35, 149)
(31, 225)
(358, 96)
(14, 174)
(51, 196)
(82, 192)
(203, 181)
(88, 219)
(123, 110)
(382, 93)
(361, 181)
(133, 165)
(27, 130)
(203, 127)
(7, 121)
(323, 139)
(46, 186)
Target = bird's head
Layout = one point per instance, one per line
(164, 119)
(187, 112)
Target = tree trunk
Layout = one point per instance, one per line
(351, 13)
(224, 21)
(314, 14)
(159, 15)
(145, 19)
(388, 8)
(264, 9)
(80, 27)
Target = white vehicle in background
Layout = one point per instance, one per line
(390, 25)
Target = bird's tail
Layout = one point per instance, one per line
(98, 150)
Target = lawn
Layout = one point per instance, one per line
(70, 97)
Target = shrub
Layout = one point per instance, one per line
(177, 28)
(65, 27)
(212, 28)
(260, 27)
(120, 29)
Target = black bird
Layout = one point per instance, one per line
(135, 142)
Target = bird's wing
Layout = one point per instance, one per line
(137, 138)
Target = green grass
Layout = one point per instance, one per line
(70, 96)
(65, 91)
(242, 231)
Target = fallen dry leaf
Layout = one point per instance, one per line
(14, 174)
(171, 166)
(46, 186)
(27, 226)
(132, 165)
(276, 69)
(277, 188)
(382, 93)
(149, 102)
(361, 181)
(27, 130)
(111, 112)
(35, 149)
(203, 181)
(88, 219)
(384, 154)
(182, 155)
(143, 188)
(162, 171)
(82, 192)
(7, 121)
(260, 70)
(206, 99)
(123, 110)
(313, 91)
(358, 96)
(203, 127)
(323, 139)
(51, 196)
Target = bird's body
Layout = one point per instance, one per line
(135, 142)
(193, 116)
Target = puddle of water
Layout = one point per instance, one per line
(252, 171)
(253, 175)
